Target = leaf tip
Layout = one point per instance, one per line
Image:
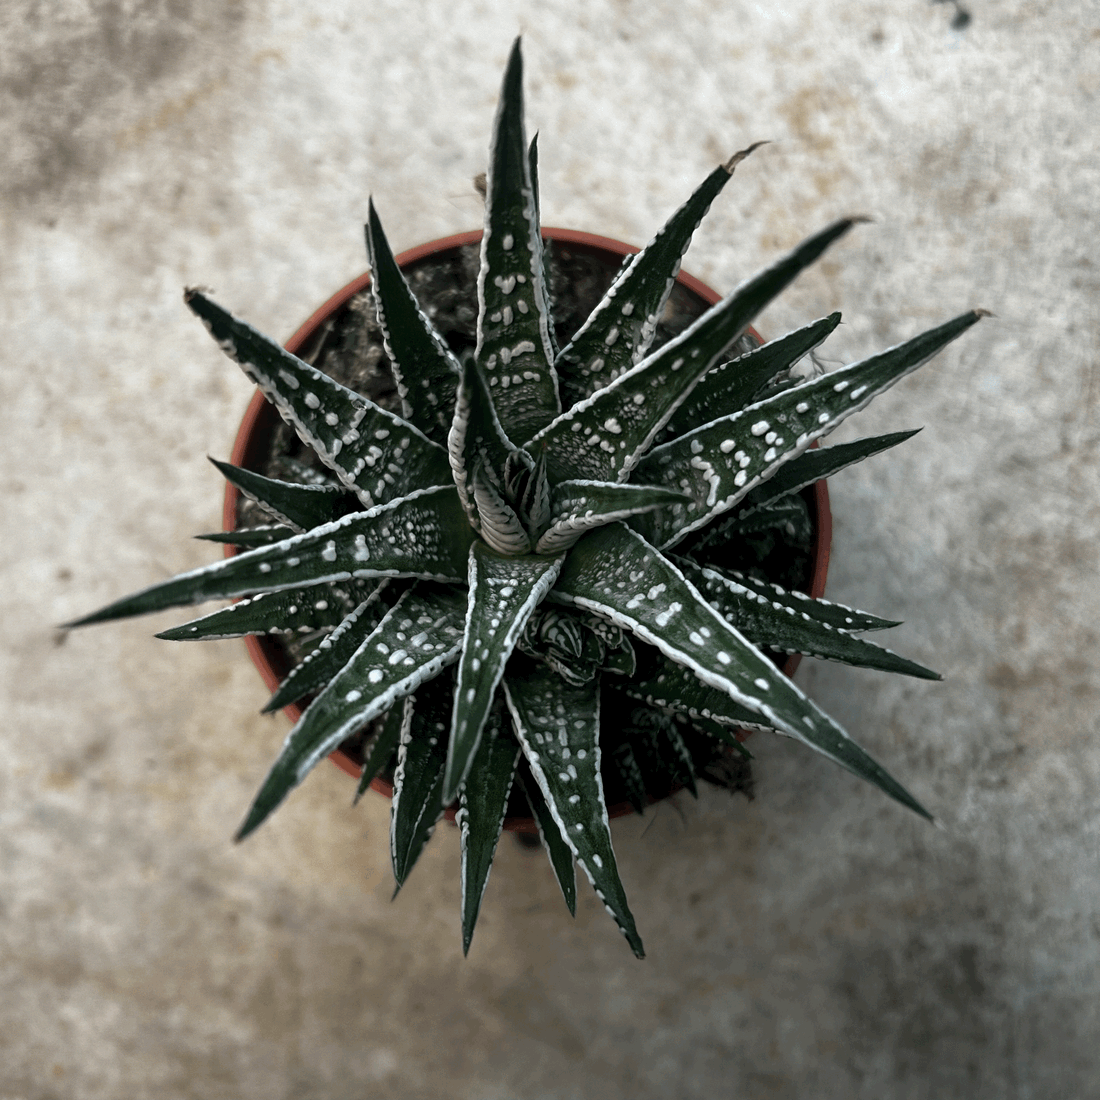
(739, 156)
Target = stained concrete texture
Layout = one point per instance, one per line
(816, 942)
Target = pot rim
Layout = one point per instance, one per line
(823, 524)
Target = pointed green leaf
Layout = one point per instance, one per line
(718, 463)
(578, 506)
(544, 246)
(419, 637)
(503, 592)
(620, 330)
(482, 804)
(335, 650)
(381, 748)
(513, 338)
(788, 513)
(603, 437)
(498, 521)
(249, 537)
(816, 464)
(424, 368)
(616, 573)
(677, 756)
(675, 689)
(300, 506)
(422, 535)
(838, 616)
(418, 782)
(371, 450)
(559, 729)
(476, 440)
(730, 386)
(291, 611)
(559, 853)
(781, 625)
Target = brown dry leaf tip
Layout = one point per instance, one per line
(736, 159)
(189, 292)
(979, 312)
(481, 184)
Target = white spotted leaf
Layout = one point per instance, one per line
(418, 638)
(614, 572)
(620, 330)
(370, 450)
(603, 437)
(513, 327)
(503, 591)
(424, 368)
(482, 804)
(719, 463)
(559, 728)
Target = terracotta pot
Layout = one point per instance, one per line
(250, 449)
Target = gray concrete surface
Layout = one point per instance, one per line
(818, 942)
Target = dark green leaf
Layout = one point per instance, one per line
(559, 727)
(419, 637)
(621, 328)
(614, 572)
(249, 537)
(781, 625)
(729, 387)
(371, 450)
(560, 854)
(719, 463)
(482, 804)
(424, 368)
(320, 666)
(300, 506)
(418, 781)
(382, 747)
(291, 611)
(603, 437)
(513, 344)
(422, 535)
(503, 592)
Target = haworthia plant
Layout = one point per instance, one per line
(522, 580)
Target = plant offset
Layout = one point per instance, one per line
(538, 537)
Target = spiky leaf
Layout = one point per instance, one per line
(513, 341)
(503, 591)
(422, 535)
(718, 463)
(371, 450)
(419, 637)
(249, 537)
(730, 386)
(319, 667)
(482, 804)
(424, 368)
(614, 572)
(291, 611)
(559, 853)
(620, 330)
(603, 437)
(418, 782)
(782, 626)
(299, 506)
(381, 748)
(559, 729)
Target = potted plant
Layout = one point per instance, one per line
(342, 338)
(542, 534)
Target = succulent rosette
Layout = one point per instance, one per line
(535, 539)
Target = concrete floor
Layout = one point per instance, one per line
(818, 942)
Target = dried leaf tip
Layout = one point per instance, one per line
(979, 312)
(736, 159)
(189, 292)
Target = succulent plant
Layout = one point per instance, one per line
(540, 536)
